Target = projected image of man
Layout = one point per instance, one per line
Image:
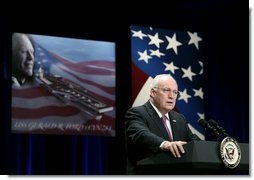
(22, 60)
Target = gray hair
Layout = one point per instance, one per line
(16, 37)
(157, 78)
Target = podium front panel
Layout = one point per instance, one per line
(201, 157)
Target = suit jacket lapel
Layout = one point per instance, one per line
(156, 119)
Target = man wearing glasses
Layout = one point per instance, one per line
(154, 126)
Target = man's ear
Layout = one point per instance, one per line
(152, 92)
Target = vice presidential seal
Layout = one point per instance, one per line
(230, 152)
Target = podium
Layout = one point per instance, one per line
(200, 158)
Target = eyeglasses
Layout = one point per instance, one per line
(169, 91)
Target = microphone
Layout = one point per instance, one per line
(220, 129)
(208, 127)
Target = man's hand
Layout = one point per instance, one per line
(175, 147)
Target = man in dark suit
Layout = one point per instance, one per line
(154, 126)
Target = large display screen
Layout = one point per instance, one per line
(62, 85)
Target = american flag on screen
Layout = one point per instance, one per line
(88, 64)
(179, 53)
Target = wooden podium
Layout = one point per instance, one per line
(201, 157)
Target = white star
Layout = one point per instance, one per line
(170, 67)
(184, 96)
(188, 73)
(41, 54)
(173, 43)
(201, 115)
(201, 64)
(144, 56)
(138, 34)
(156, 53)
(44, 60)
(155, 40)
(194, 39)
(199, 93)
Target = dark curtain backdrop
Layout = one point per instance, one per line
(226, 88)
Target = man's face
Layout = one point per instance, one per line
(164, 96)
(23, 54)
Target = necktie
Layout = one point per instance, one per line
(164, 119)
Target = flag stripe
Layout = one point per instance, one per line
(37, 102)
(107, 81)
(82, 67)
(110, 90)
(30, 93)
(89, 87)
(24, 113)
(138, 81)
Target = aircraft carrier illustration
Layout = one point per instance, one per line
(73, 94)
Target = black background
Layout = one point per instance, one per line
(226, 28)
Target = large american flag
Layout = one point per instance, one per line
(179, 53)
(86, 63)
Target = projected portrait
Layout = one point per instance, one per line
(62, 85)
